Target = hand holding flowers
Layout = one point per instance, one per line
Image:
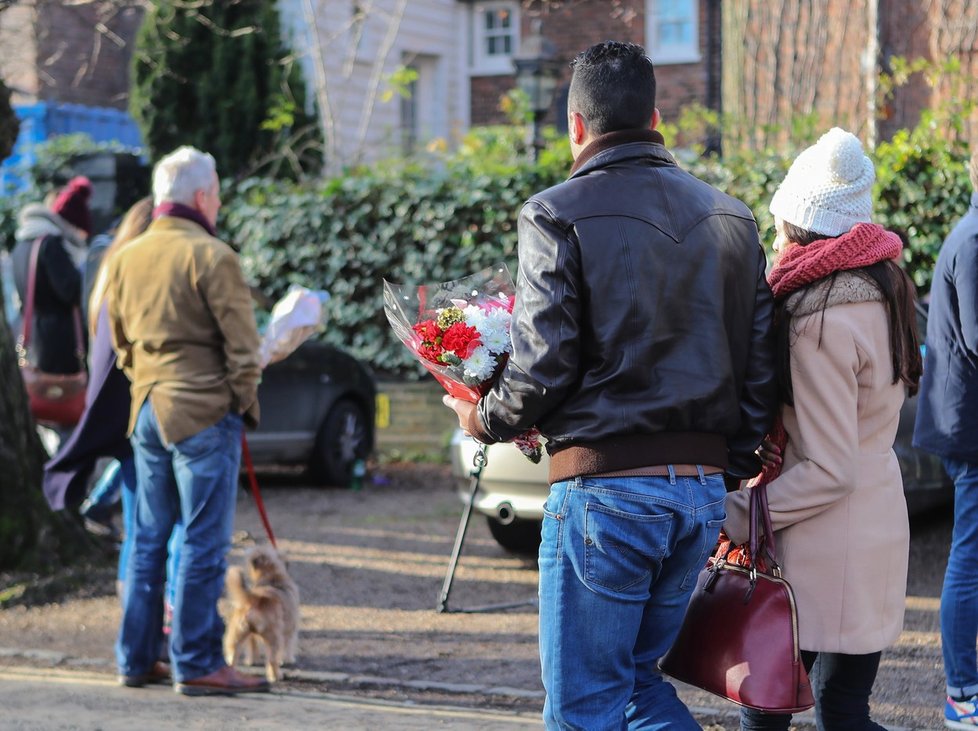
(460, 332)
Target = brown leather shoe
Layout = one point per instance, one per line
(224, 681)
(159, 673)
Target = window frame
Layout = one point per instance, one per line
(675, 53)
(480, 62)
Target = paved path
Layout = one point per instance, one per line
(63, 699)
(58, 700)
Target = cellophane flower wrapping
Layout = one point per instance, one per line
(460, 332)
(295, 318)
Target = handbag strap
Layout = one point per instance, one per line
(28, 320)
(761, 527)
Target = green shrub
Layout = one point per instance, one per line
(399, 221)
(922, 188)
(413, 222)
(448, 215)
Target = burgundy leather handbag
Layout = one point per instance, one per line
(739, 639)
(56, 399)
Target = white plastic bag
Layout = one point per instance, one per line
(294, 319)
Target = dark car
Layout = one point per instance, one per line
(512, 489)
(317, 409)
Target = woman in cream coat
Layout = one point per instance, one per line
(848, 354)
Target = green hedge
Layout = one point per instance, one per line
(448, 215)
(405, 222)
(922, 188)
(435, 222)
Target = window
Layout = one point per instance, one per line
(672, 30)
(495, 37)
(409, 116)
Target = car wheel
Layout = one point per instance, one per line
(519, 536)
(343, 438)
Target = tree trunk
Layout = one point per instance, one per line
(32, 537)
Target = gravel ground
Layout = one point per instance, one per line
(370, 566)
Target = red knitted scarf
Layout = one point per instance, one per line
(864, 244)
(798, 266)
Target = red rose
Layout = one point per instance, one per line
(461, 339)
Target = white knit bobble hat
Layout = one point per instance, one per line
(828, 188)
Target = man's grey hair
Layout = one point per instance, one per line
(182, 173)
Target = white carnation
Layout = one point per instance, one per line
(496, 334)
(480, 365)
(475, 316)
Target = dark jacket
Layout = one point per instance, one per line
(54, 342)
(101, 432)
(642, 324)
(947, 408)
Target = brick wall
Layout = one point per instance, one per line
(486, 93)
(572, 27)
(83, 52)
(412, 420)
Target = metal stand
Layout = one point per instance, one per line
(478, 461)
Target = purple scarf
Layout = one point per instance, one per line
(179, 210)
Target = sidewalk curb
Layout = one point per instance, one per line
(68, 662)
(61, 659)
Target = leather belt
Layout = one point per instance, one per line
(662, 470)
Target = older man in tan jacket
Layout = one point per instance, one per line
(184, 331)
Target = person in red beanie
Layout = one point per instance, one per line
(60, 232)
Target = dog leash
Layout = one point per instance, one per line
(255, 492)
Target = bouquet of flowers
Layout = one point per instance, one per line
(294, 319)
(460, 332)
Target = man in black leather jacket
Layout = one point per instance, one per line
(642, 350)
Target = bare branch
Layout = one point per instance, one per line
(377, 72)
(326, 115)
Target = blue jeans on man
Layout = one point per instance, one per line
(959, 597)
(195, 481)
(127, 476)
(619, 559)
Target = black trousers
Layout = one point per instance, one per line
(841, 685)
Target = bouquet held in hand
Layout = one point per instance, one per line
(460, 332)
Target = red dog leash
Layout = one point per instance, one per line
(255, 492)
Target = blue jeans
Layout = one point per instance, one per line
(124, 474)
(841, 685)
(959, 598)
(127, 476)
(618, 562)
(194, 481)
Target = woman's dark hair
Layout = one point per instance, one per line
(613, 87)
(899, 298)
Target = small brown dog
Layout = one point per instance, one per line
(266, 606)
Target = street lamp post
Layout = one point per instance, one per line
(537, 72)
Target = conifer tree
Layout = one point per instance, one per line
(216, 75)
